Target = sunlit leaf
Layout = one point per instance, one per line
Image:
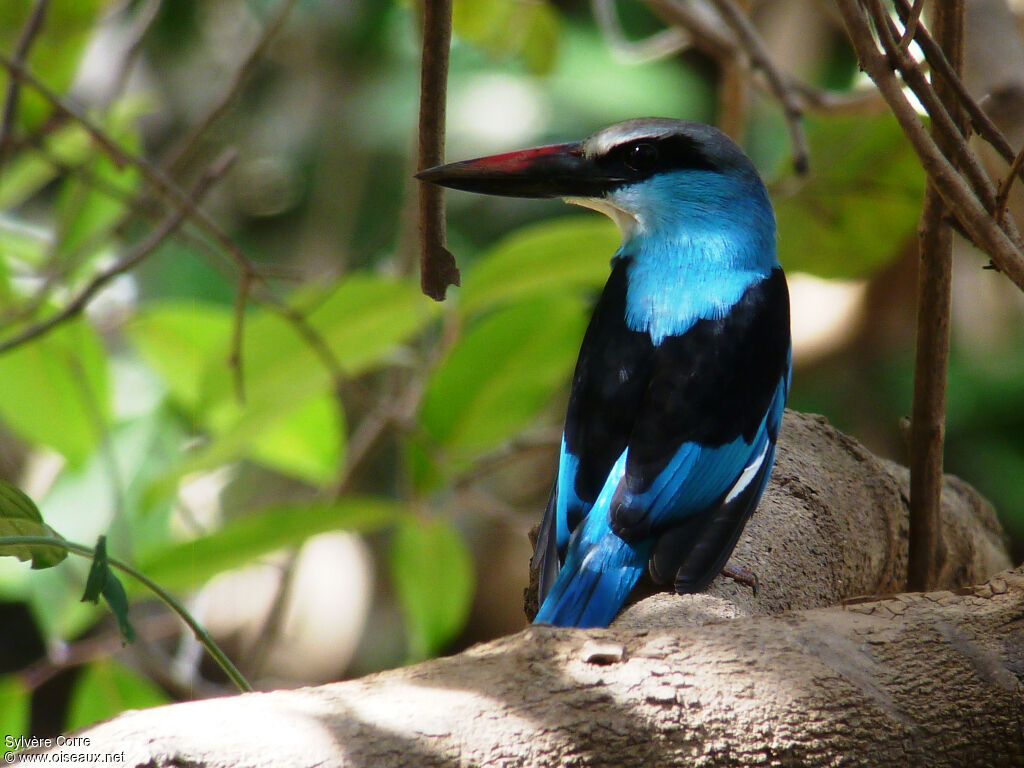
(106, 688)
(30, 170)
(433, 574)
(501, 373)
(307, 443)
(551, 257)
(19, 516)
(861, 203)
(187, 564)
(363, 320)
(508, 28)
(55, 390)
(182, 341)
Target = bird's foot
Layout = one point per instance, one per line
(743, 575)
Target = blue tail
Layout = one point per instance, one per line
(600, 571)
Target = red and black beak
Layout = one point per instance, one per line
(557, 170)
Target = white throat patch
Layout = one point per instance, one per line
(624, 220)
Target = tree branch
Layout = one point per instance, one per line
(705, 679)
(934, 301)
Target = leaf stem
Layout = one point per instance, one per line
(169, 600)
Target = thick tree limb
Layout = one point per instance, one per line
(924, 679)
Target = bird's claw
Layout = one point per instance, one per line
(743, 575)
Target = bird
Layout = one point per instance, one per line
(684, 369)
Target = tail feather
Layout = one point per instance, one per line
(595, 581)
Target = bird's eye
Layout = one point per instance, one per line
(641, 157)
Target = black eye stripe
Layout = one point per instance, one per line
(638, 159)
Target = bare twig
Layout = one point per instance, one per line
(980, 121)
(712, 36)
(99, 646)
(951, 135)
(709, 33)
(660, 45)
(1003, 195)
(121, 157)
(238, 335)
(910, 25)
(778, 82)
(184, 148)
(437, 265)
(132, 258)
(147, 17)
(21, 49)
(962, 201)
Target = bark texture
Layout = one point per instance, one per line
(721, 679)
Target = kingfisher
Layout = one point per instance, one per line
(684, 369)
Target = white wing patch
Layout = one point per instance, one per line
(748, 474)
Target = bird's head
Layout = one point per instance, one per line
(649, 175)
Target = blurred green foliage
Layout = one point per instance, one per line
(134, 399)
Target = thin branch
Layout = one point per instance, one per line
(949, 136)
(709, 33)
(166, 597)
(184, 148)
(133, 257)
(660, 45)
(779, 83)
(96, 647)
(147, 18)
(121, 157)
(980, 121)
(975, 220)
(188, 209)
(21, 49)
(437, 264)
(1003, 195)
(910, 24)
(238, 335)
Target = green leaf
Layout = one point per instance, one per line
(15, 708)
(19, 516)
(543, 259)
(106, 688)
(182, 341)
(860, 205)
(98, 573)
(117, 600)
(30, 170)
(500, 374)
(363, 320)
(102, 580)
(55, 390)
(184, 565)
(540, 39)
(306, 443)
(433, 575)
